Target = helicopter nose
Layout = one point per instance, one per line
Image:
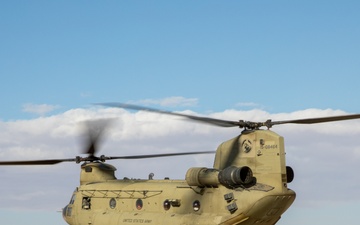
(66, 213)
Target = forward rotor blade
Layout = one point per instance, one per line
(211, 121)
(159, 155)
(94, 131)
(318, 120)
(35, 162)
(93, 158)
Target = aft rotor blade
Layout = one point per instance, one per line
(159, 155)
(318, 120)
(212, 121)
(35, 162)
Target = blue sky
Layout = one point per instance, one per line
(281, 56)
(205, 56)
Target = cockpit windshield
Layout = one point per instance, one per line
(72, 200)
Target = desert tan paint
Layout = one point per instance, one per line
(203, 198)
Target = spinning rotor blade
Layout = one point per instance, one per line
(212, 121)
(318, 120)
(158, 155)
(35, 162)
(94, 158)
(94, 130)
(240, 123)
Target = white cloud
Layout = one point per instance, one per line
(39, 109)
(248, 105)
(170, 101)
(323, 155)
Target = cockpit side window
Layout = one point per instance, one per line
(86, 203)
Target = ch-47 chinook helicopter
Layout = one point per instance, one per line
(248, 183)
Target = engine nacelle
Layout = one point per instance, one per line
(233, 176)
(202, 177)
(230, 177)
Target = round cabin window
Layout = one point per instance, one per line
(167, 204)
(139, 204)
(112, 203)
(196, 205)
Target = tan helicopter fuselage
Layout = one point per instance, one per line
(247, 185)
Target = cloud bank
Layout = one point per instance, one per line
(39, 109)
(325, 157)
